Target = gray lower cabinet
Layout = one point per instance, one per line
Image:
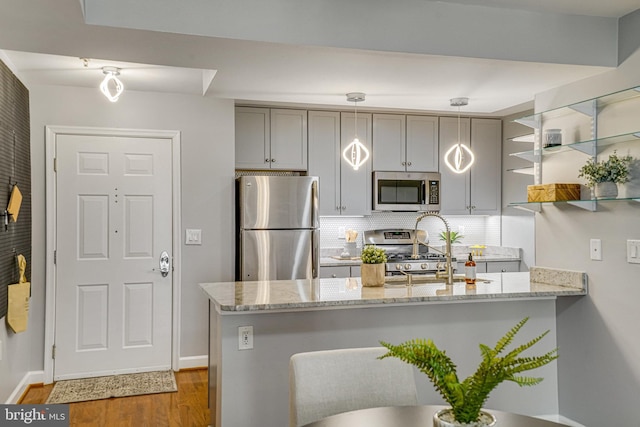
(503, 266)
(492, 266)
(333, 272)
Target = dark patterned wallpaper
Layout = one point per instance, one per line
(15, 168)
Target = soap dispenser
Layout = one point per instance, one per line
(470, 271)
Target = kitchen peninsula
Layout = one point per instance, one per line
(249, 387)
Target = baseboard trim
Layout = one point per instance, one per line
(31, 377)
(192, 362)
(560, 419)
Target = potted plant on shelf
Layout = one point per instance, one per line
(372, 270)
(603, 176)
(468, 397)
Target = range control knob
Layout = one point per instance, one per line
(424, 266)
(398, 266)
(407, 266)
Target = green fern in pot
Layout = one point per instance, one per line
(467, 397)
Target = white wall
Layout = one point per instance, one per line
(599, 373)
(207, 130)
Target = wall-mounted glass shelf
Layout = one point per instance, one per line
(591, 147)
(589, 205)
(586, 105)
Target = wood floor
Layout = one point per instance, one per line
(186, 408)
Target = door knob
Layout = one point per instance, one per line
(164, 263)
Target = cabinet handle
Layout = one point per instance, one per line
(473, 207)
(267, 160)
(273, 160)
(404, 163)
(409, 163)
(337, 208)
(504, 270)
(344, 208)
(334, 276)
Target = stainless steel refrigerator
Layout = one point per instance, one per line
(277, 220)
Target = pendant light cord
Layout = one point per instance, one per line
(355, 118)
(459, 125)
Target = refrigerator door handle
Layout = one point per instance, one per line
(315, 259)
(314, 203)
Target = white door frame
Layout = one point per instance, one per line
(50, 277)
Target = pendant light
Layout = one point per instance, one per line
(459, 157)
(356, 153)
(111, 79)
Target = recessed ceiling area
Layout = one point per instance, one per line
(44, 42)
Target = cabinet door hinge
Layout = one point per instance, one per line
(53, 351)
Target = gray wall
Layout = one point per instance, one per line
(207, 130)
(599, 373)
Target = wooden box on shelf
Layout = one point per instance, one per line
(553, 192)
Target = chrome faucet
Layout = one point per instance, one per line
(447, 252)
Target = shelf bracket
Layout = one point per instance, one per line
(529, 207)
(589, 205)
(530, 121)
(586, 148)
(588, 108)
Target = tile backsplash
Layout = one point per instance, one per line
(482, 230)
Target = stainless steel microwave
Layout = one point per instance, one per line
(406, 191)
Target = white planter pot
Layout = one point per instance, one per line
(444, 418)
(606, 190)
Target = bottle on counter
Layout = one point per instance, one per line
(470, 271)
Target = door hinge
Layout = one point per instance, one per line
(55, 164)
(53, 351)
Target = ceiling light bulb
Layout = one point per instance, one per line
(460, 163)
(111, 75)
(356, 154)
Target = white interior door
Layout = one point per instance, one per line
(113, 219)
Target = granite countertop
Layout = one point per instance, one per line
(300, 295)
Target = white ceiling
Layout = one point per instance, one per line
(277, 73)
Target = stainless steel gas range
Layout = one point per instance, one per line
(398, 244)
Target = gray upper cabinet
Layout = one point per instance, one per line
(405, 143)
(271, 138)
(343, 191)
(324, 158)
(476, 191)
(355, 185)
(422, 143)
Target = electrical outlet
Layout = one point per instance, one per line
(245, 337)
(341, 231)
(595, 249)
(461, 229)
(633, 251)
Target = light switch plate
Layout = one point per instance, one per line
(633, 251)
(595, 246)
(193, 236)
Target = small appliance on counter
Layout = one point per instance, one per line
(398, 244)
(278, 229)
